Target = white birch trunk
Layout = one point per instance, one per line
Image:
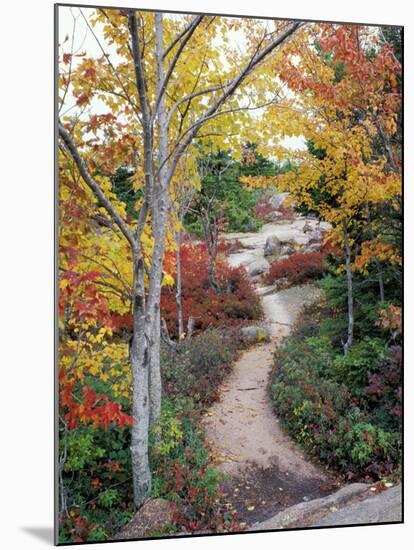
(141, 474)
(178, 287)
(350, 334)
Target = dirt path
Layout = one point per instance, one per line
(265, 470)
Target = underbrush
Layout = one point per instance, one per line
(182, 473)
(235, 303)
(266, 210)
(197, 367)
(95, 474)
(297, 268)
(343, 409)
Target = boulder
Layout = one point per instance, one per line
(315, 237)
(287, 249)
(273, 246)
(277, 199)
(154, 515)
(274, 215)
(383, 508)
(307, 228)
(254, 334)
(315, 247)
(304, 513)
(258, 267)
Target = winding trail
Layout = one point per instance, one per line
(265, 470)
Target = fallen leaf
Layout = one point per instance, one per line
(250, 508)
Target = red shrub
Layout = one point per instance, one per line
(264, 208)
(298, 268)
(236, 302)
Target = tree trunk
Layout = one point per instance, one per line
(178, 287)
(210, 237)
(141, 474)
(350, 334)
(155, 384)
(160, 207)
(377, 264)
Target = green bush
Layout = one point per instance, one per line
(196, 368)
(181, 469)
(95, 483)
(324, 405)
(364, 357)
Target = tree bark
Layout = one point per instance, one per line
(377, 264)
(350, 334)
(160, 207)
(140, 363)
(178, 287)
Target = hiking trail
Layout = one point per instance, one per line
(265, 470)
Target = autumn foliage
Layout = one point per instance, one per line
(235, 303)
(298, 268)
(265, 209)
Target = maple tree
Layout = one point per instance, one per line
(159, 95)
(346, 105)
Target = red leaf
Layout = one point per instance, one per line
(66, 58)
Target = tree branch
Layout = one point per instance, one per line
(111, 66)
(253, 62)
(91, 183)
(147, 128)
(193, 95)
(177, 39)
(194, 24)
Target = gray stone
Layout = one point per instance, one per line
(303, 514)
(287, 249)
(154, 515)
(274, 215)
(315, 237)
(258, 267)
(315, 247)
(277, 199)
(382, 508)
(253, 334)
(273, 246)
(307, 228)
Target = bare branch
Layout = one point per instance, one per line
(193, 95)
(201, 121)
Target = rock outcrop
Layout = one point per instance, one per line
(154, 515)
(258, 267)
(273, 246)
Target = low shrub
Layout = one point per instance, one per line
(235, 303)
(265, 209)
(95, 483)
(349, 430)
(182, 472)
(96, 467)
(298, 268)
(196, 368)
